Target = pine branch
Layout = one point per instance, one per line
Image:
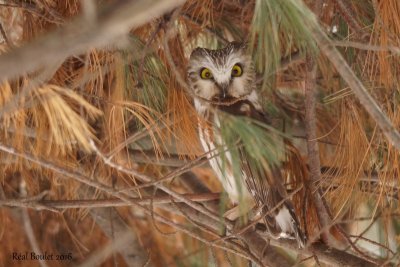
(366, 100)
(77, 37)
(79, 177)
(192, 211)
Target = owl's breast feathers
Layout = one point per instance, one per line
(265, 186)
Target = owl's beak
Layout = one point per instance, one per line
(223, 90)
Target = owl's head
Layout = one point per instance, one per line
(222, 74)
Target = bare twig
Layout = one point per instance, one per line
(28, 226)
(312, 146)
(370, 47)
(323, 213)
(28, 202)
(360, 236)
(53, 205)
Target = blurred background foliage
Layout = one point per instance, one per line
(130, 99)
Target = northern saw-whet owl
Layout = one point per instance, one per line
(225, 80)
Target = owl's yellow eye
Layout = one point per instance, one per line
(237, 71)
(205, 73)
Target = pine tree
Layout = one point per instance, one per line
(99, 144)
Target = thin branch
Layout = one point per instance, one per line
(312, 148)
(323, 212)
(312, 145)
(30, 233)
(362, 46)
(372, 242)
(53, 205)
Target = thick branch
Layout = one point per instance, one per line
(83, 34)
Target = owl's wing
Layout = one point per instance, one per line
(266, 184)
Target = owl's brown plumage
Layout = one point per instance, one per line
(224, 81)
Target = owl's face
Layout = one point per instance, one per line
(222, 74)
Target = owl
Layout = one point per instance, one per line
(224, 80)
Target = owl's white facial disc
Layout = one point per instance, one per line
(231, 72)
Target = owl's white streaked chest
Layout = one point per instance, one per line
(211, 141)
